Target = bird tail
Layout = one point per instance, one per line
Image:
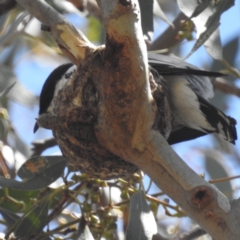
(221, 123)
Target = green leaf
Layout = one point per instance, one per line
(142, 225)
(159, 13)
(200, 8)
(17, 196)
(6, 91)
(9, 217)
(35, 165)
(19, 93)
(33, 222)
(40, 172)
(206, 19)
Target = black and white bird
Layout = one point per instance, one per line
(55, 81)
(188, 88)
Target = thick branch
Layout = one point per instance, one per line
(203, 203)
(66, 35)
(125, 120)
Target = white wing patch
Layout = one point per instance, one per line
(61, 83)
(185, 106)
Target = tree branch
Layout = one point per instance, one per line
(66, 35)
(226, 87)
(168, 38)
(123, 112)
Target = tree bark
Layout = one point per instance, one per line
(126, 112)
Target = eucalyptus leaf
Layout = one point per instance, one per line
(157, 10)
(6, 91)
(19, 93)
(9, 217)
(40, 172)
(17, 26)
(146, 8)
(142, 225)
(35, 165)
(200, 8)
(206, 17)
(21, 200)
(33, 222)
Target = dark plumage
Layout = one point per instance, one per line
(50, 87)
(188, 88)
(170, 66)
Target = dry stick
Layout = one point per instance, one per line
(223, 179)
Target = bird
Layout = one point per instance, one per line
(188, 91)
(54, 82)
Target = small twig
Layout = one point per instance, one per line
(41, 145)
(227, 87)
(195, 233)
(61, 227)
(231, 69)
(223, 179)
(165, 204)
(158, 194)
(66, 200)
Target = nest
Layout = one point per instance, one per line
(76, 108)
